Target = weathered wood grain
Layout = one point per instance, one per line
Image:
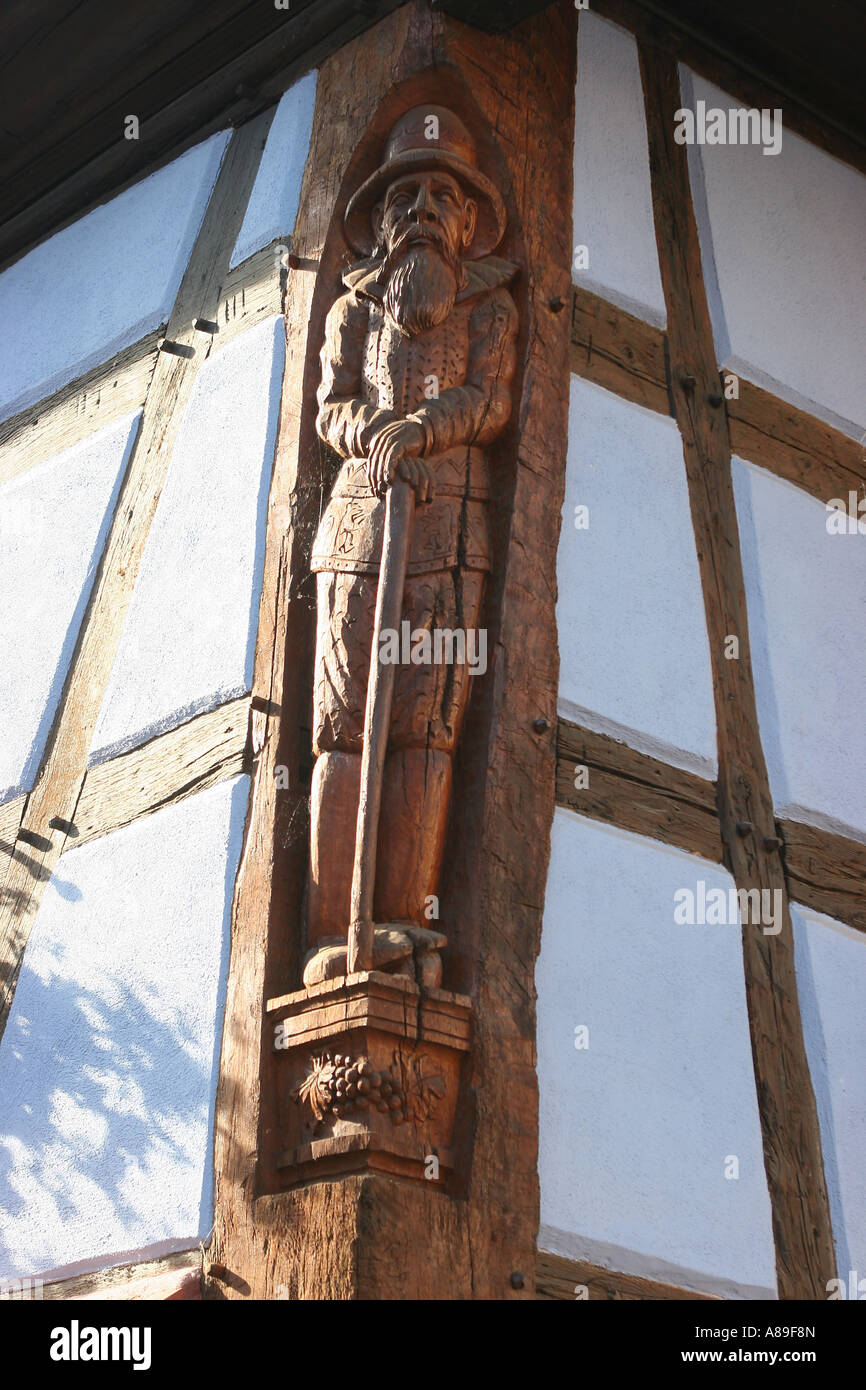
(618, 350)
(621, 352)
(87, 404)
(674, 34)
(561, 1279)
(636, 792)
(52, 802)
(175, 1276)
(826, 872)
(795, 445)
(359, 1237)
(169, 768)
(251, 292)
(805, 1257)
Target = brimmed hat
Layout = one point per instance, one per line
(409, 150)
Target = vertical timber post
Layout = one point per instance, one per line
(370, 1235)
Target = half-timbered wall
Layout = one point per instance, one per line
(141, 373)
(656, 1039)
(702, 1110)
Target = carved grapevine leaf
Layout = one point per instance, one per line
(315, 1090)
(422, 1085)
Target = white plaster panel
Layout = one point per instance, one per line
(831, 983)
(273, 204)
(189, 637)
(54, 519)
(634, 651)
(636, 1129)
(613, 214)
(109, 1060)
(806, 594)
(103, 282)
(784, 254)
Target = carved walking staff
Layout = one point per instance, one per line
(399, 511)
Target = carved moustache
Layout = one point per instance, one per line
(422, 282)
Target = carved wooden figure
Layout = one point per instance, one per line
(417, 365)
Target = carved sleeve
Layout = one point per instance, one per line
(346, 421)
(476, 412)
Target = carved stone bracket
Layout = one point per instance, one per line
(370, 1078)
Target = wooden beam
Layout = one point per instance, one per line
(53, 801)
(636, 792)
(217, 78)
(619, 351)
(648, 20)
(253, 291)
(825, 872)
(360, 1236)
(173, 1277)
(565, 1280)
(250, 293)
(795, 445)
(169, 768)
(805, 1256)
(87, 404)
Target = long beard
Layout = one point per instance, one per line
(421, 289)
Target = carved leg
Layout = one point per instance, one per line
(333, 813)
(429, 704)
(415, 797)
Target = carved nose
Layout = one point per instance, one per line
(421, 210)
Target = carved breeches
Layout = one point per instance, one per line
(429, 697)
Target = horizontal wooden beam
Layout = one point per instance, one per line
(251, 292)
(617, 350)
(636, 792)
(171, 767)
(794, 444)
(52, 803)
(173, 1277)
(561, 1279)
(825, 872)
(84, 405)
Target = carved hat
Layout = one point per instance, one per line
(419, 143)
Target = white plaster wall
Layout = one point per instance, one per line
(189, 638)
(273, 204)
(613, 214)
(103, 282)
(831, 982)
(109, 1060)
(806, 594)
(635, 1130)
(634, 651)
(54, 519)
(784, 253)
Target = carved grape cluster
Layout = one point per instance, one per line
(339, 1085)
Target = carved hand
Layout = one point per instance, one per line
(395, 451)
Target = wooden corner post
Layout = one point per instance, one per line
(376, 1122)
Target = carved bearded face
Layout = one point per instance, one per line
(426, 223)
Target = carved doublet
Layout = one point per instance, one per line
(400, 372)
(397, 373)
